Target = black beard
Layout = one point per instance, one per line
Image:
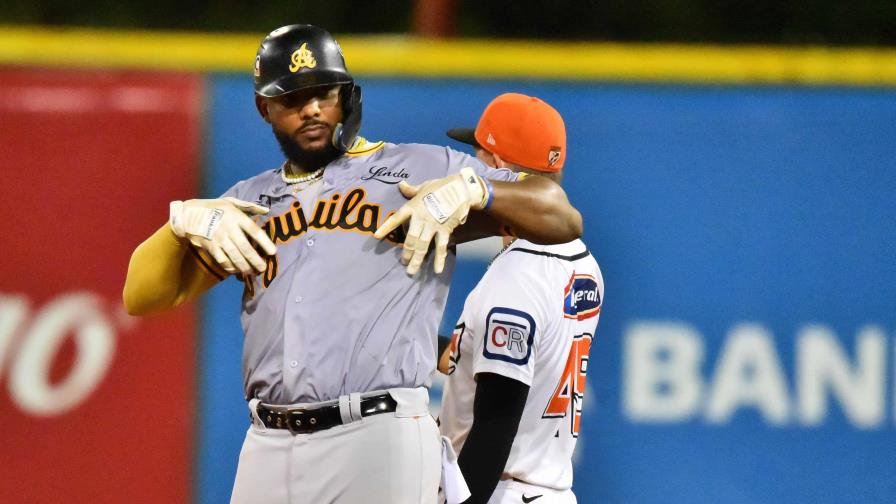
(305, 159)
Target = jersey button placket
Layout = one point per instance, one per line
(293, 324)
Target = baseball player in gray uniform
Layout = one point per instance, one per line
(340, 336)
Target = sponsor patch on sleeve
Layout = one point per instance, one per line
(509, 335)
(581, 297)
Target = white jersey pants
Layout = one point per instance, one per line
(516, 492)
(385, 458)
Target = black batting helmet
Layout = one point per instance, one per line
(301, 56)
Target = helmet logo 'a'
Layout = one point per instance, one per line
(302, 58)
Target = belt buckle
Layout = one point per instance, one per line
(295, 425)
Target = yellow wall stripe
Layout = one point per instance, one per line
(408, 56)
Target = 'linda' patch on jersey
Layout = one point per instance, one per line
(581, 297)
(508, 335)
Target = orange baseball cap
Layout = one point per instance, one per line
(522, 130)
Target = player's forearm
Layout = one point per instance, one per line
(536, 209)
(153, 273)
(161, 275)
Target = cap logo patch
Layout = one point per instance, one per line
(553, 155)
(302, 58)
(257, 67)
(490, 140)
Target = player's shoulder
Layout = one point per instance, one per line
(563, 254)
(576, 257)
(419, 151)
(425, 160)
(548, 265)
(414, 163)
(574, 265)
(363, 148)
(381, 148)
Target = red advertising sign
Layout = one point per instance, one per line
(96, 406)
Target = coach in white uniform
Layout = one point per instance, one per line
(518, 356)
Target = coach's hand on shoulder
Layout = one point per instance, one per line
(222, 228)
(435, 208)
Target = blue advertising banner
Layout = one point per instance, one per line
(745, 352)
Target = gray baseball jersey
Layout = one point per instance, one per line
(335, 312)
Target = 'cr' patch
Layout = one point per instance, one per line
(508, 335)
(581, 298)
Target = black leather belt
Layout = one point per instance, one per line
(305, 420)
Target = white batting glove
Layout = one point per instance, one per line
(222, 228)
(435, 208)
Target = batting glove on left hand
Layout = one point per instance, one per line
(435, 209)
(222, 228)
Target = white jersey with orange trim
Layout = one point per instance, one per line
(531, 318)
